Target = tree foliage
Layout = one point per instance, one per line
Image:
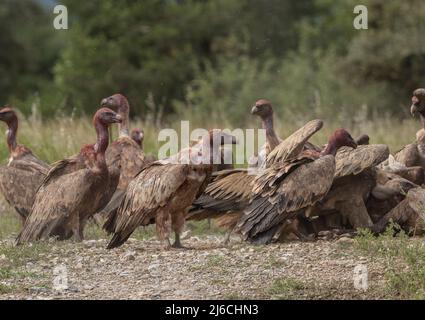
(212, 58)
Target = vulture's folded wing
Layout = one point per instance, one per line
(354, 161)
(294, 144)
(230, 190)
(152, 189)
(57, 203)
(279, 193)
(19, 184)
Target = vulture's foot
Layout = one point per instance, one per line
(177, 243)
(226, 240)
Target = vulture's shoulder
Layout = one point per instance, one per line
(354, 161)
(294, 144)
(63, 167)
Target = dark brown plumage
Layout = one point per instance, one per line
(24, 172)
(74, 189)
(163, 191)
(285, 188)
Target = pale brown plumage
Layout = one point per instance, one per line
(354, 179)
(24, 172)
(287, 187)
(408, 214)
(163, 191)
(389, 191)
(73, 190)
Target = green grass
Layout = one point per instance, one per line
(404, 259)
(286, 288)
(13, 265)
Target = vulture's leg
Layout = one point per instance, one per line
(76, 230)
(162, 221)
(227, 236)
(177, 223)
(356, 212)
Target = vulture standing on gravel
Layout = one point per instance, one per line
(24, 172)
(124, 154)
(164, 190)
(228, 194)
(138, 136)
(74, 189)
(286, 187)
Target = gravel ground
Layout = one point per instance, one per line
(205, 270)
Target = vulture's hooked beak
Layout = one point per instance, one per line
(254, 110)
(353, 144)
(104, 103)
(117, 118)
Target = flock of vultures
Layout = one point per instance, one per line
(291, 189)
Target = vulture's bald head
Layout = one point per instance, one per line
(262, 108)
(117, 102)
(341, 138)
(418, 102)
(8, 115)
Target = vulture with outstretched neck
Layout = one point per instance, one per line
(123, 154)
(263, 109)
(164, 190)
(24, 172)
(285, 188)
(138, 136)
(74, 189)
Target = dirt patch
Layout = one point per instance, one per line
(208, 270)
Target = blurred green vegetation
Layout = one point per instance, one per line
(212, 59)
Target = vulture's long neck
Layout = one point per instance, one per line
(330, 149)
(271, 137)
(11, 135)
(124, 112)
(102, 143)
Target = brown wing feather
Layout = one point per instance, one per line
(354, 161)
(230, 190)
(282, 190)
(294, 144)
